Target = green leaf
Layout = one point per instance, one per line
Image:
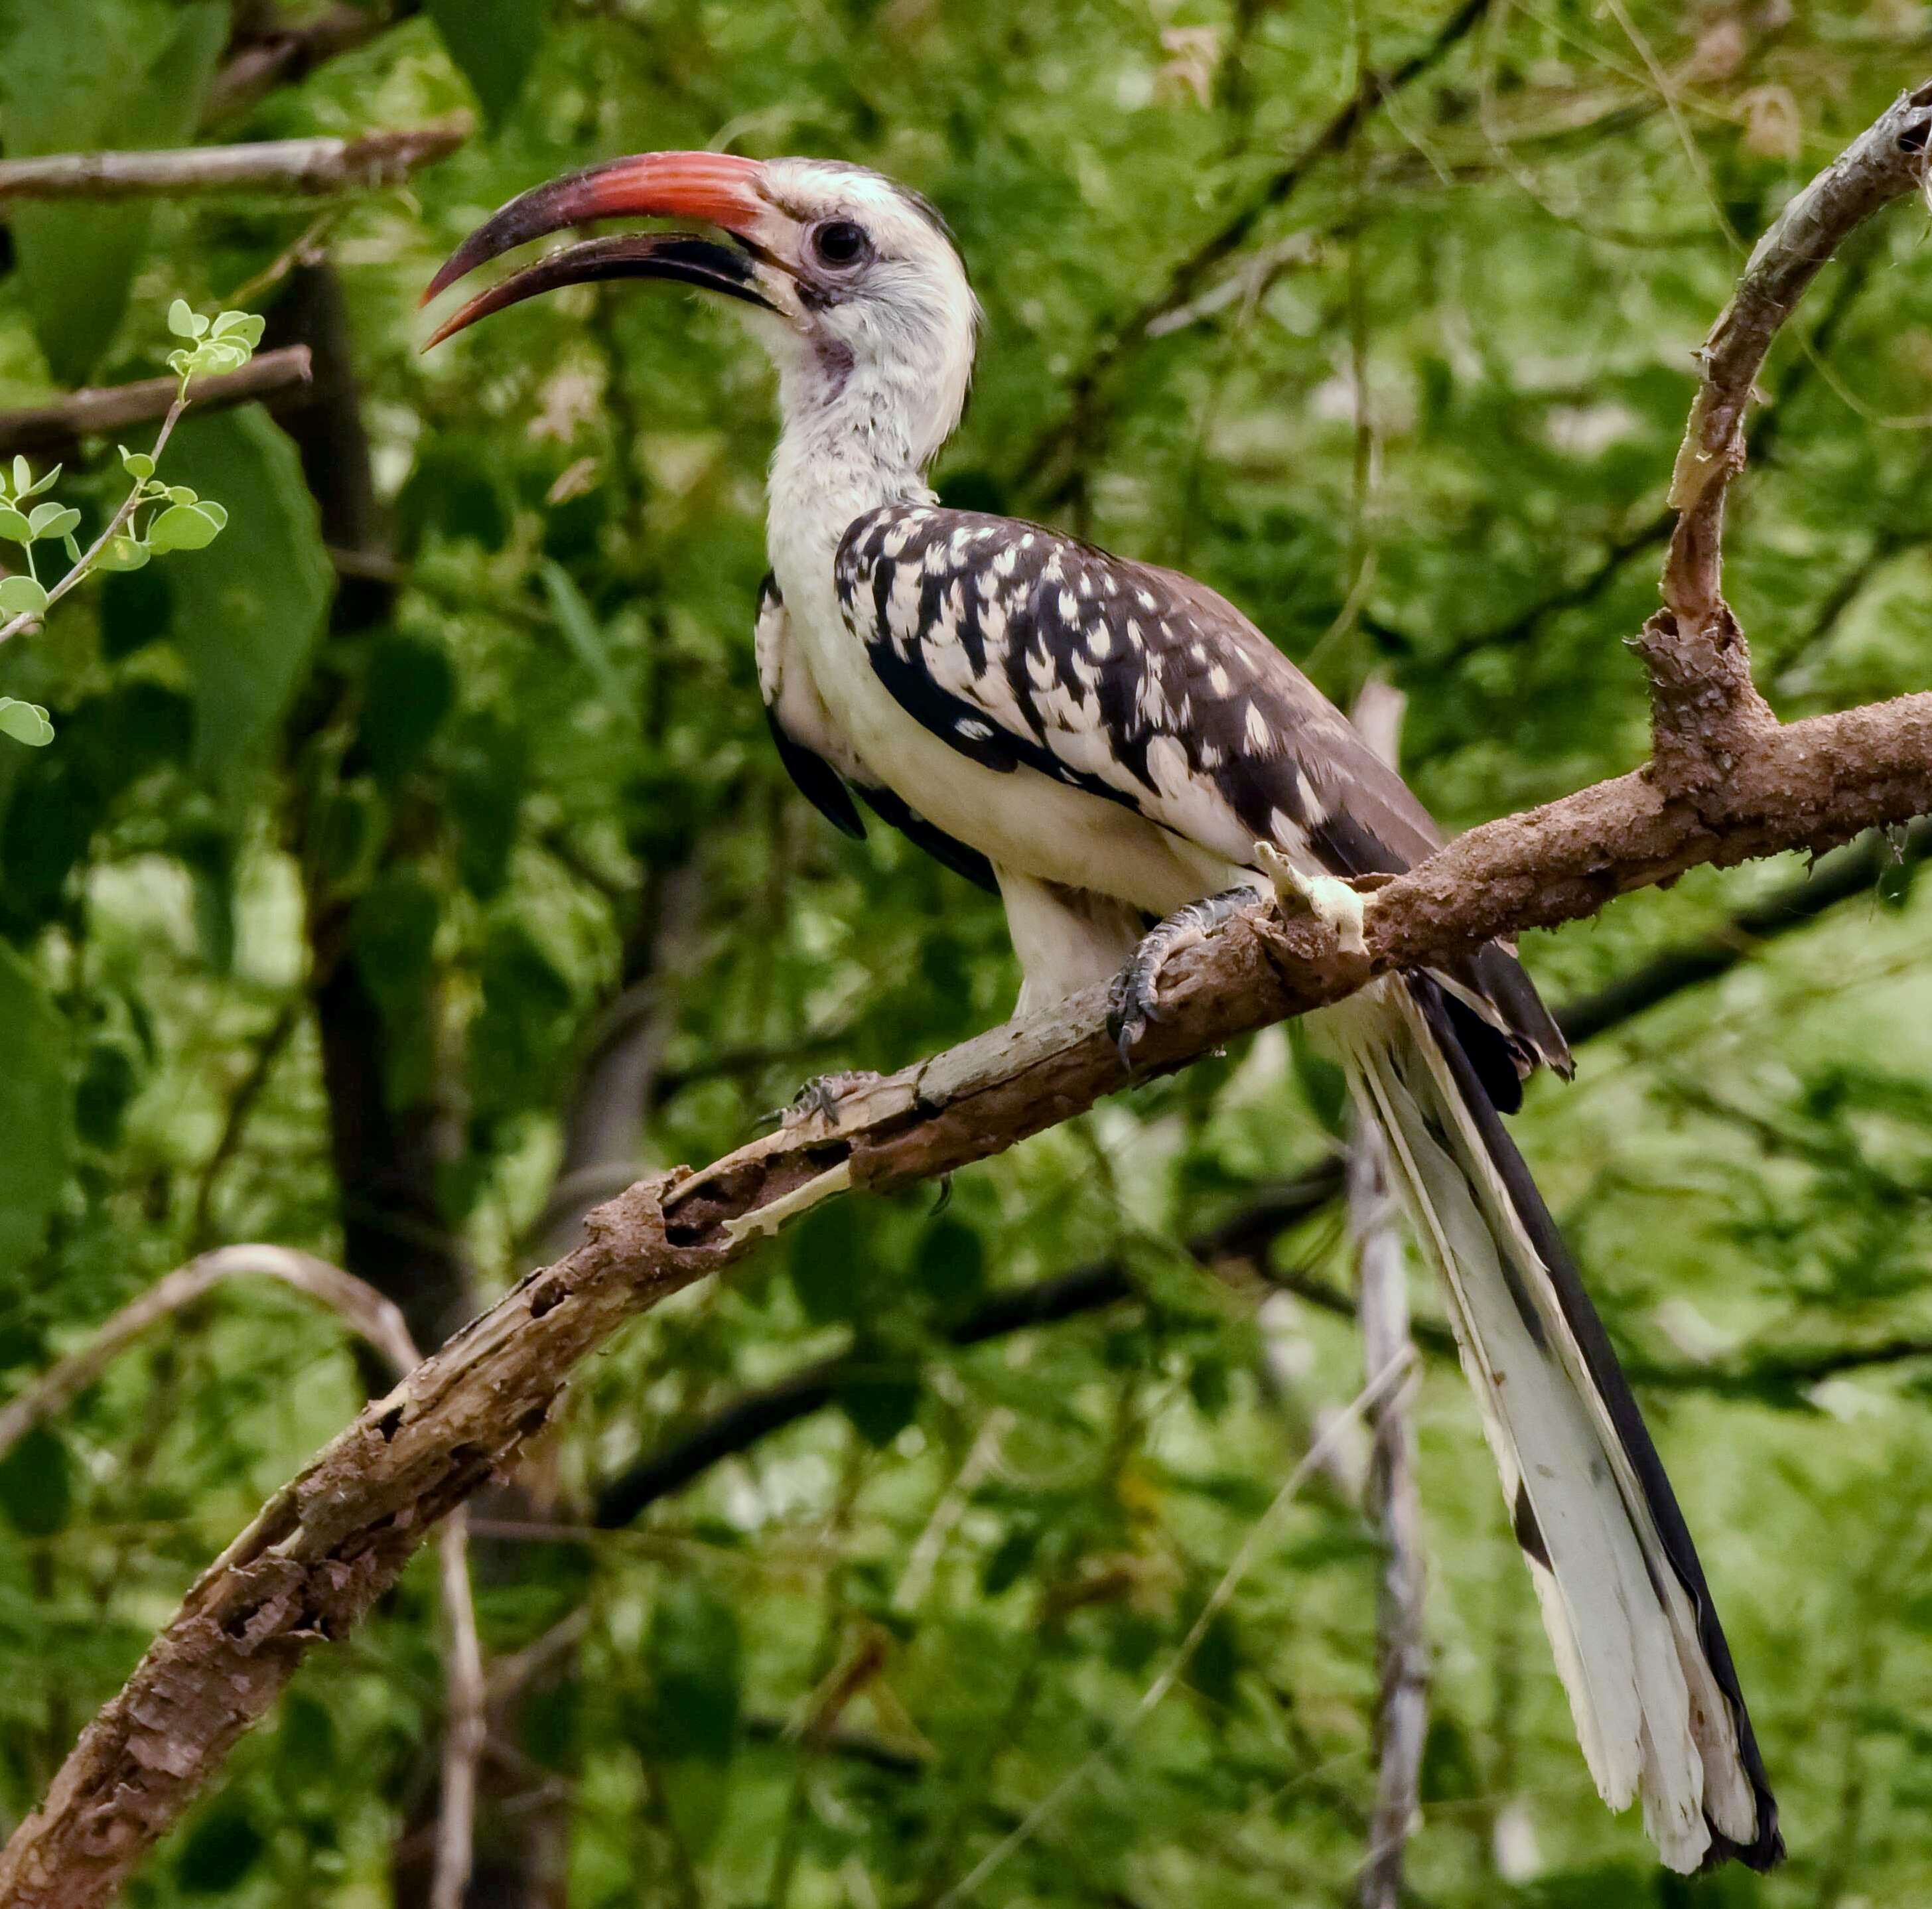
(44, 482)
(137, 464)
(247, 614)
(101, 1096)
(410, 689)
(180, 493)
(220, 1850)
(831, 1263)
(79, 76)
(52, 520)
(23, 477)
(693, 1654)
(26, 722)
(951, 1268)
(37, 1484)
(13, 527)
(880, 1403)
(496, 44)
(180, 319)
(21, 596)
(36, 1112)
(580, 628)
(182, 527)
(122, 552)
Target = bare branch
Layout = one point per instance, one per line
(310, 167)
(364, 1309)
(1705, 710)
(100, 410)
(279, 55)
(1394, 1497)
(465, 1724)
(368, 1313)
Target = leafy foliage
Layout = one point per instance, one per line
(412, 862)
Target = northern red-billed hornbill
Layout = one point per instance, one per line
(1105, 742)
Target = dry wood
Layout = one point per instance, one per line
(310, 1565)
(366, 1312)
(56, 429)
(310, 167)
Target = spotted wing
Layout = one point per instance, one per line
(825, 772)
(1025, 648)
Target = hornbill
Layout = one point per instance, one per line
(1106, 744)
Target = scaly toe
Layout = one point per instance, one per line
(822, 1094)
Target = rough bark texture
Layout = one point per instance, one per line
(308, 166)
(327, 1545)
(56, 429)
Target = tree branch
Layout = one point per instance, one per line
(279, 55)
(56, 429)
(310, 167)
(376, 1320)
(1705, 711)
(326, 1546)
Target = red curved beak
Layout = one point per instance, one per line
(719, 188)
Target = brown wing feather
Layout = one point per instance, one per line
(1020, 646)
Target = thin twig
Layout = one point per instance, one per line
(1394, 1498)
(99, 411)
(305, 166)
(27, 619)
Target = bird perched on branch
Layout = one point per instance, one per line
(1110, 746)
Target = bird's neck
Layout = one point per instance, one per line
(853, 439)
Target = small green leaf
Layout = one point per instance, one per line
(181, 363)
(209, 508)
(179, 494)
(580, 628)
(183, 526)
(43, 482)
(23, 477)
(13, 527)
(240, 329)
(181, 319)
(26, 722)
(73, 549)
(52, 520)
(123, 553)
(21, 596)
(137, 464)
(37, 1485)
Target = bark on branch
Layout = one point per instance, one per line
(56, 429)
(1705, 711)
(333, 1540)
(310, 167)
(379, 1321)
(310, 1565)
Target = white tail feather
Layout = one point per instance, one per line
(1650, 1714)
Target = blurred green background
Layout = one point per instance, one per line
(413, 866)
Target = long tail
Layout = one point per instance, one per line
(1637, 1641)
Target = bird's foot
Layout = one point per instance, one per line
(1339, 907)
(1133, 1000)
(820, 1095)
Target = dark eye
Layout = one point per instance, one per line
(839, 242)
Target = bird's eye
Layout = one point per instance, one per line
(840, 242)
